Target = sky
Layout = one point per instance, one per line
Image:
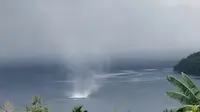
(76, 29)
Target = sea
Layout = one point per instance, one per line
(141, 90)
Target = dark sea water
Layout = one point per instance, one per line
(133, 90)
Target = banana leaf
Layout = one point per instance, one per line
(179, 96)
(183, 89)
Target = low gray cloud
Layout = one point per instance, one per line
(77, 28)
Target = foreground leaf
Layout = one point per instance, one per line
(179, 96)
(184, 89)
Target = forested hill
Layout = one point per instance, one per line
(189, 65)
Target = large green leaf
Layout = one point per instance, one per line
(189, 108)
(190, 84)
(180, 85)
(187, 81)
(179, 96)
(183, 89)
(78, 109)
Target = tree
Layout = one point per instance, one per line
(189, 65)
(7, 107)
(78, 109)
(37, 105)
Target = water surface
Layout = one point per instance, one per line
(132, 90)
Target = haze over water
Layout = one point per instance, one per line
(104, 54)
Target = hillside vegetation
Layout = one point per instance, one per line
(189, 65)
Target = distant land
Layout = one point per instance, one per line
(189, 65)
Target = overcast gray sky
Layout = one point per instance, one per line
(77, 28)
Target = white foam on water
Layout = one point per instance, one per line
(121, 74)
(83, 87)
(130, 71)
(149, 70)
(78, 96)
(110, 75)
(147, 79)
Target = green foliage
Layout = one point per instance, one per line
(78, 109)
(189, 65)
(115, 111)
(7, 107)
(171, 110)
(37, 106)
(189, 108)
(188, 94)
(185, 108)
(179, 96)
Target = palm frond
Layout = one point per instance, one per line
(187, 81)
(78, 109)
(179, 96)
(181, 86)
(184, 89)
(190, 84)
(189, 108)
